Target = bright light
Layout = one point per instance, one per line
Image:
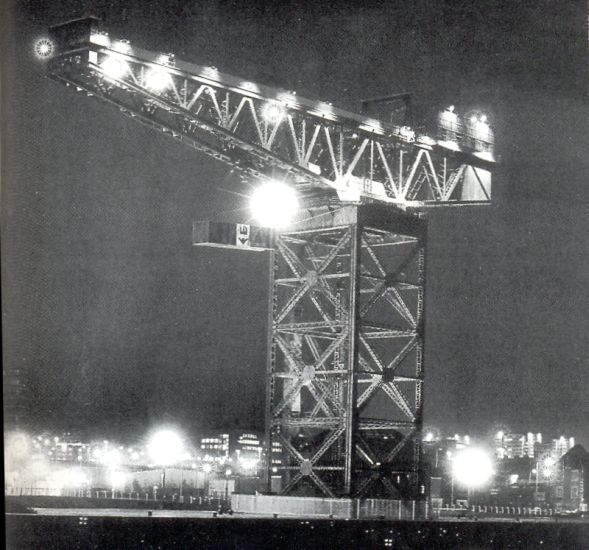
(165, 447)
(483, 118)
(228, 472)
(272, 112)
(249, 463)
(157, 80)
(473, 119)
(76, 478)
(429, 436)
(122, 46)
(274, 204)
(44, 48)
(499, 434)
(114, 67)
(207, 468)
(451, 108)
(117, 479)
(111, 457)
(472, 467)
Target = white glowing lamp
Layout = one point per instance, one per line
(472, 467)
(165, 447)
(117, 479)
(114, 67)
(274, 204)
(157, 80)
(272, 112)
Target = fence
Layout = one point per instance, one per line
(329, 507)
(487, 510)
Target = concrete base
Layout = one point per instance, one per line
(341, 508)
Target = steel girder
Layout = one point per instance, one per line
(268, 132)
(345, 373)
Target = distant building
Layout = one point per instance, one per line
(14, 395)
(562, 445)
(517, 445)
(248, 451)
(572, 481)
(215, 448)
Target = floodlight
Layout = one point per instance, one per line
(272, 112)
(249, 463)
(114, 67)
(274, 204)
(165, 447)
(111, 457)
(122, 46)
(44, 48)
(157, 80)
(117, 479)
(472, 467)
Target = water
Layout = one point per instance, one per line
(90, 532)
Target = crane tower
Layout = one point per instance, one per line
(345, 369)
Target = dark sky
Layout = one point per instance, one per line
(121, 324)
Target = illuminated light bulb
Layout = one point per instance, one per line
(157, 80)
(114, 67)
(274, 204)
(166, 447)
(472, 467)
(122, 46)
(272, 112)
(44, 48)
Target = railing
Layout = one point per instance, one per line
(482, 510)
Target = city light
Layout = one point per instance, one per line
(114, 67)
(207, 468)
(111, 457)
(274, 204)
(249, 463)
(157, 80)
(472, 467)
(165, 447)
(272, 112)
(117, 479)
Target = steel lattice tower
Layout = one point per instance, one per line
(345, 370)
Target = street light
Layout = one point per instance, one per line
(165, 448)
(545, 467)
(472, 467)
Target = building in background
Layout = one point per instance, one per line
(215, 448)
(248, 452)
(572, 480)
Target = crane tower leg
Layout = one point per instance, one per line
(345, 367)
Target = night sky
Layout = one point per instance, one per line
(121, 324)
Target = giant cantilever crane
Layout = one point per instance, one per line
(346, 336)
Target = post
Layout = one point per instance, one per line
(351, 361)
